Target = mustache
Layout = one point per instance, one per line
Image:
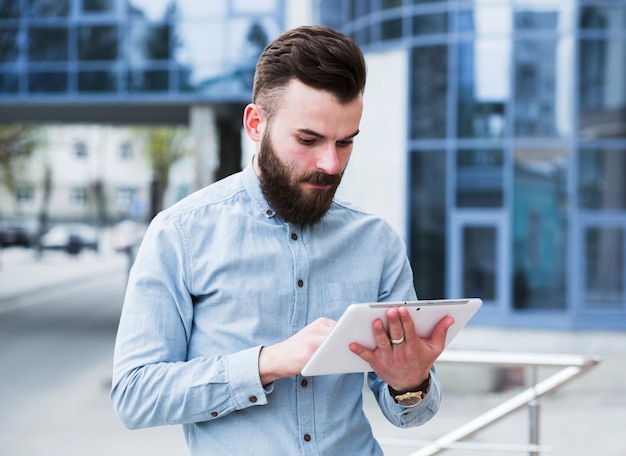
(321, 178)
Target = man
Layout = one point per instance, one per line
(235, 287)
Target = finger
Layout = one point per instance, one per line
(406, 321)
(395, 327)
(380, 335)
(441, 331)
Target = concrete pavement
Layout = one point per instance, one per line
(586, 418)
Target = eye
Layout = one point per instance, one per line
(306, 141)
(345, 143)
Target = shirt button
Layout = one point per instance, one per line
(252, 399)
(268, 212)
(213, 414)
(300, 283)
(304, 383)
(294, 236)
(307, 437)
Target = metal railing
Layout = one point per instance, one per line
(572, 367)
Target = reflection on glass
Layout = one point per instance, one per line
(479, 262)
(253, 6)
(97, 81)
(428, 222)
(148, 42)
(48, 8)
(194, 10)
(601, 183)
(540, 228)
(152, 10)
(611, 18)
(9, 51)
(429, 89)
(390, 4)
(544, 15)
(602, 90)
(97, 42)
(542, 81)
(47, 82)
(483, 88)
(47, 44)
(9, 9)
(480, 178)
(148, 81)
(604, 271)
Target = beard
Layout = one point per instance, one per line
(283, 193)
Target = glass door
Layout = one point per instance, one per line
(477, 258)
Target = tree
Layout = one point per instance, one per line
(164, 146)
(17, 143)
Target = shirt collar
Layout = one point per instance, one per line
(253, 186)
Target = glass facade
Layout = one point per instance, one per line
(162, 49)
(517, 151)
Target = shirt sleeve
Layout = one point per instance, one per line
(402, 416)
(153, 381)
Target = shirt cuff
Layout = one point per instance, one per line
(244, 379)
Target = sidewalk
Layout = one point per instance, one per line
(21, 272)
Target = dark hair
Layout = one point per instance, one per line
(318, 56)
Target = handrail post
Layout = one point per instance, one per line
(533, 416)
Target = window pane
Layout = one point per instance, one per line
(47, 82)
(47, 44)
(483, 79)
(601, 183)
(480, 178)
(9, 51)
(391, 29)
(602, 72)
(9, 82)
(479, 262)
(96, 81)
(428, 222)
(430, 24)
(48, 8)
(97, 43)
(9, 9)
(429, 88)
(603, 18)
(604, 274)
(148, 81)
(97, 6)
(542, 78)
(540, 228)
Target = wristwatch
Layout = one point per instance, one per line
(412, 397)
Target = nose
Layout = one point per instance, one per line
(327, 159)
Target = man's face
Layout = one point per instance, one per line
(304, 151)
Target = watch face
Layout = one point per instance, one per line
(409, 399)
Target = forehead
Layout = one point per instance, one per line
(304, 107)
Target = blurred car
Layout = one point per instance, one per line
(70, 237)
(18, 232)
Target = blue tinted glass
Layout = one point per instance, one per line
(9, 82)
(48, 8)
(47, 44)
(47, 82)
(430, 24)
(97, 42)
(96, 81)
(429, 91)
(9, 51)
(148, 81)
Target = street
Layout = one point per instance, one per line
(56, 360)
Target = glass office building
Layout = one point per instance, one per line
(118, 52)
(516, 152)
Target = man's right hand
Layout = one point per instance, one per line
(287, 358)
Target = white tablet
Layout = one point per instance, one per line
(333, 356)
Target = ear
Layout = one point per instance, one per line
(254, 122)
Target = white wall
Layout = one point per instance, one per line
(376, 176)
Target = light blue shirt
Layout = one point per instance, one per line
(217, 277)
